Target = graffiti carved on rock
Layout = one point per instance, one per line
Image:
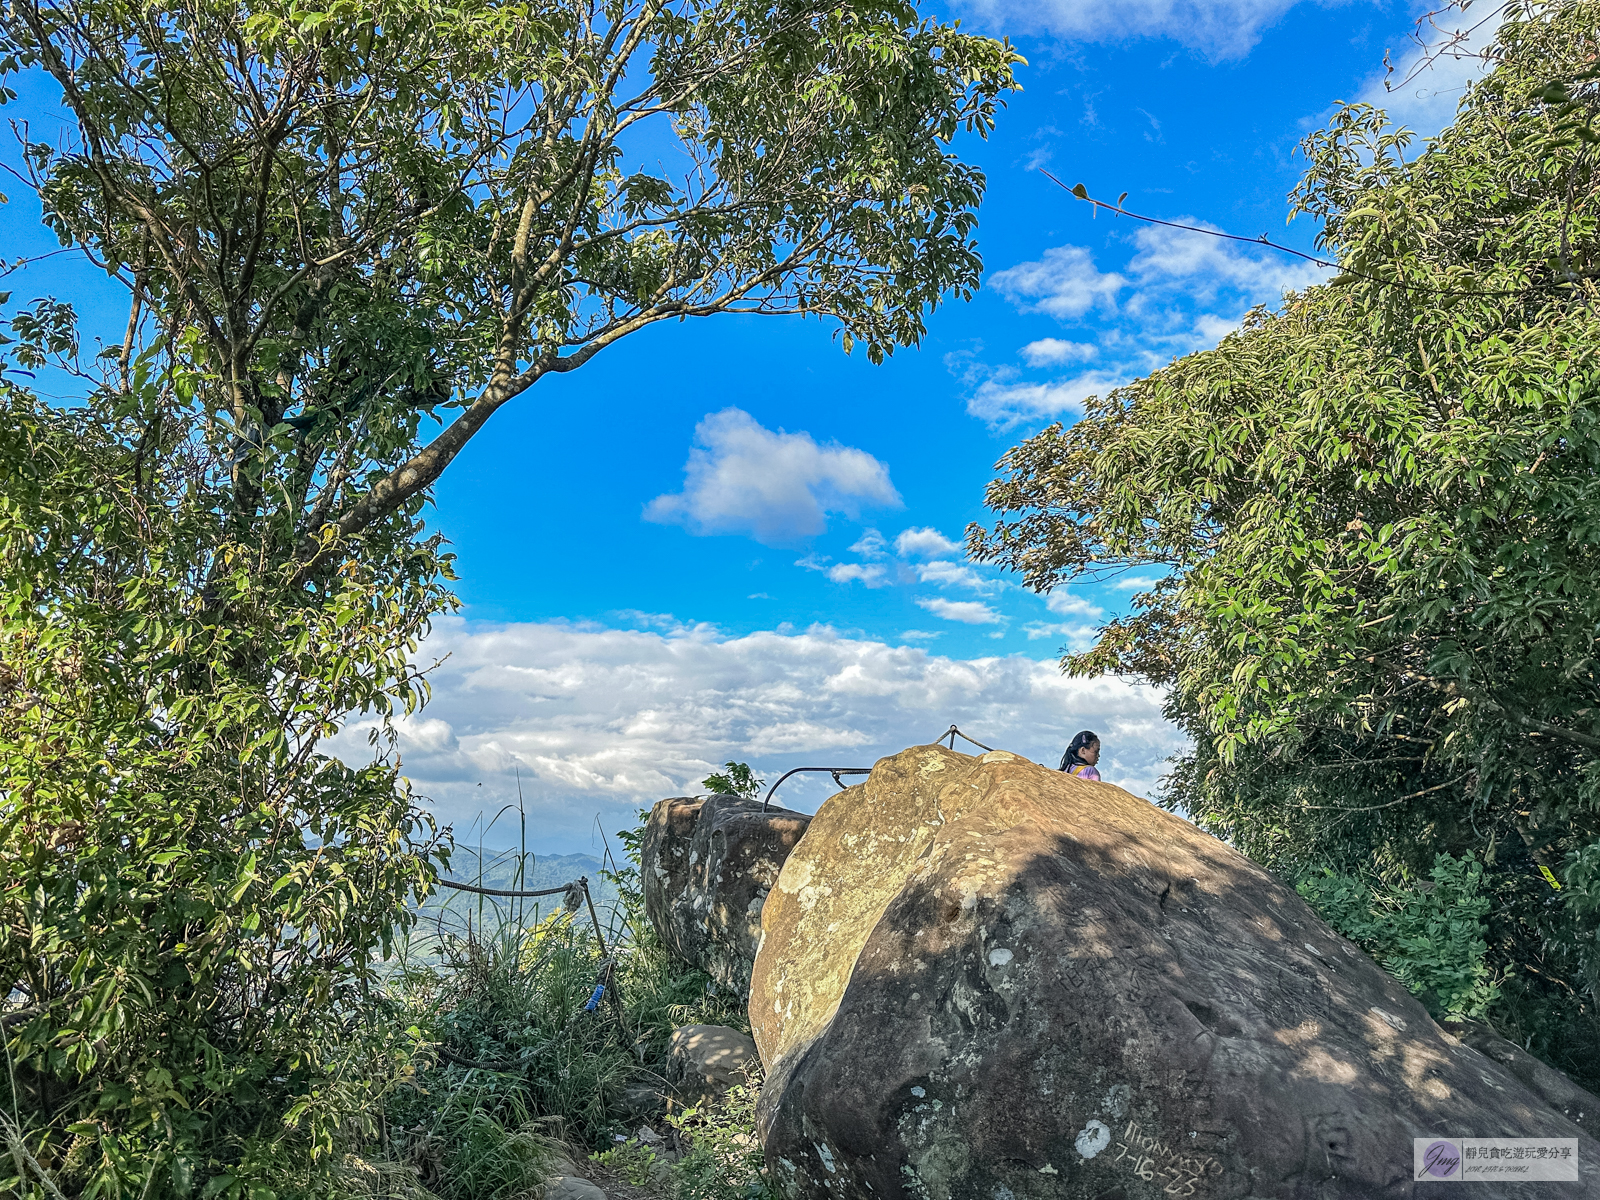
(981, 979)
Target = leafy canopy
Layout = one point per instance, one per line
(737, 780)
(1375, 513)
(192, 897)
(350, 234)
(369, 219)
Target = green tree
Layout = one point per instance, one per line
(737, 780)
(350, 234)
(1375, 513)
(192, 897)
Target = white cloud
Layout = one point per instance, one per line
(924, 543)
(1222, 29)
(918, 635)
(949, 574)
(1202, 265)
(1064, 283)
(1047, 351)
(1171, 272)
(603, 721)
(968, 612)
(776, 487)
(1135, 583)
(871, 574)
(1065, 603)
(1429, 80)
(871, 544)
(1078, 637)
(1003, 401)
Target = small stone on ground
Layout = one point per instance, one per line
(570, 1187)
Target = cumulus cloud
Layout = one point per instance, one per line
(1170, 275)
(1135, 583)
(949, 574)
(1067, 603)
(1072, 634)
(968, 612)
(1077, 637)
(777, 487)
(1204, 266)
(1064, 283)
(871, 574)
(1221, 29)
(924, 543)
(1048, 351)
(1004, 401)
(871, 544)
(598, 721)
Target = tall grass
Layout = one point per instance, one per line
(509, 1054)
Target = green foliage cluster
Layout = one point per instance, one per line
(349, 235)
(725, 1161)
(1375, 514)
(737, 780)
(192, 897)
(1430, 936)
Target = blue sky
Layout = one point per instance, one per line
(728, 539)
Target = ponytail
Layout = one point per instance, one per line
(1070, 759)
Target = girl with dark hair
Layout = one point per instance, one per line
(1082, 754)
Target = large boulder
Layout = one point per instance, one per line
(708, 863)
(703, 1061)
(981, 979)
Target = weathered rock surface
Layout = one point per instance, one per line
(708, 864)
(981, 979)
(1578, 1105)
(565, 1183)
(705, 1060)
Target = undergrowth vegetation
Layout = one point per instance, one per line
(518, 1055)
(490, 1054)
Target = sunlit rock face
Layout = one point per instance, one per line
(981, 979)
(708, 863)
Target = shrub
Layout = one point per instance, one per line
(1430, 936)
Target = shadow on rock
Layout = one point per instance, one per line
(980, 978)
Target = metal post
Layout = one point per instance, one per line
(611, 982)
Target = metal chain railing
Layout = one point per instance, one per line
(952, 733)
(834, 771)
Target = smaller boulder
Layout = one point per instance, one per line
(704, 1061)
(643, 1101)
(570, 1187)
(708, 863)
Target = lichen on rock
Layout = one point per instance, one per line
(708, 863)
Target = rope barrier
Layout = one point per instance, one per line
(952, 733)
(483, 891)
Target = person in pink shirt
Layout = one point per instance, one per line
(1082, 754)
